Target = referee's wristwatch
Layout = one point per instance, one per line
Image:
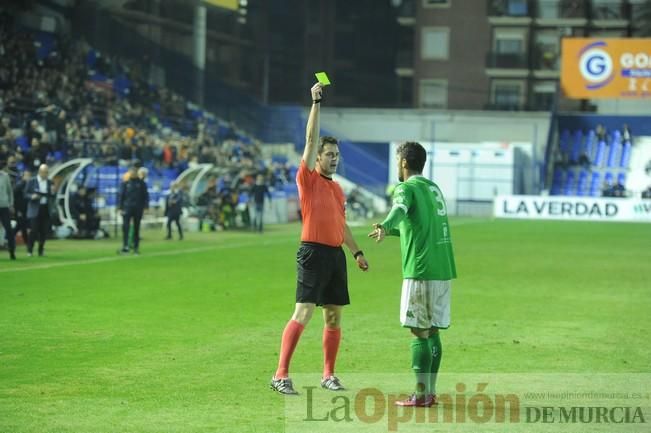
(357, 254)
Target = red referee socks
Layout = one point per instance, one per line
(331, 338)
(291, 334)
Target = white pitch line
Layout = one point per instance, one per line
(156, 254)
(171, 253)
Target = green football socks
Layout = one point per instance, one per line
(437, 354)
(421, 356)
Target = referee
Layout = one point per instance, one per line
(321, 262)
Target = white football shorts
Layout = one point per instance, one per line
(425, 304)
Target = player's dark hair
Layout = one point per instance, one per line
(326, 140)
(414, 154)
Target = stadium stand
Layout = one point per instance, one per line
(593, 155)
(61, 100)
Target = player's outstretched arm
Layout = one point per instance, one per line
(349, 240)
(312, 129)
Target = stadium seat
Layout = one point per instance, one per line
(564, 142)
(589, 144)
(608, 178)
(557, 181)
(626, 155)
(621, 178)
(600, 153)
(595, 190)
(568, 187)
(613, 152)
(581, 187)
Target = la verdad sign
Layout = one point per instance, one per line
(572, 208)
(593, 68)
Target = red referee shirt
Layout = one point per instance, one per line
(322, 207)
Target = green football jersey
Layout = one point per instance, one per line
(419, 216)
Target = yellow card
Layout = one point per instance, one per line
(323, 78)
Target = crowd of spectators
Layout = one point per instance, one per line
(69, 100)
(61, 99)
(615, 189)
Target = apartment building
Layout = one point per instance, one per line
(499, 54)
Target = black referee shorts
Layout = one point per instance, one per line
(321, 275)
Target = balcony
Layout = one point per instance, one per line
(561, 12)
(609, 14)
(508, 12)
(641, 18)
(608, 11)
(507, 60)
(545, 61)
(508, 8)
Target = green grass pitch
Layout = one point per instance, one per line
(185, 337)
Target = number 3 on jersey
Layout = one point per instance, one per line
(438, 196)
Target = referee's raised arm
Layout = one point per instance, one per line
(312, 130)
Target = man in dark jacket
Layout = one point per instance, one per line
(134, 199)
(84, 213)
(258, 192)
(174, 209)
(20, 206)
(39, 194)
(6, 208)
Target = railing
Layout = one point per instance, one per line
(507, 60)
(559, 9)
(616, 10)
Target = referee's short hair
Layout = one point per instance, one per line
(415, 155)
(326, 139)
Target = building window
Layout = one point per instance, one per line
(543, 95)
(509, 46)
(509, 41)
(607, 9)
(548, 8)
(511, 8)
(517, 8)
(433, 93)
(435, 43)
(552, 9)
(507, 94)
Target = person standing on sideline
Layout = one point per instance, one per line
(38, 193)
(258, 192)
(6, 208)
(174, 209)
(20, 206)
(419, 216)
(321, 262)
(134, 199)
